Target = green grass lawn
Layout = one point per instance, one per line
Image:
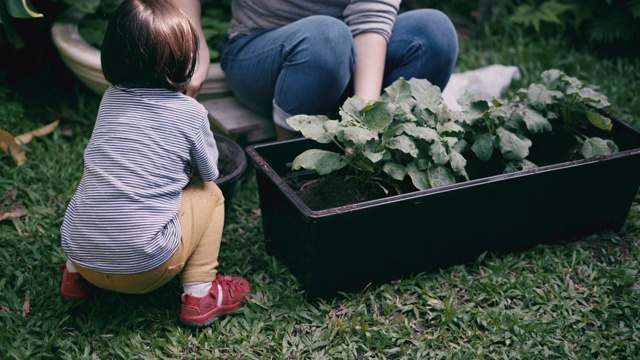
(572, 300)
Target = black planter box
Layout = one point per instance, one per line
(346, 248)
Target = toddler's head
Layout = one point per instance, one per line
(149, 43)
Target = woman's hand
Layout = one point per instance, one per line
(193, 10)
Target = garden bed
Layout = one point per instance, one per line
(500, 176)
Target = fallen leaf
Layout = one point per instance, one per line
(11, 144)
(16, 211)
(9, 207)
(8, 144)
(45, 130)
(26, 307)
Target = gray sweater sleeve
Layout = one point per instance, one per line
(361, 16)
(371, 16)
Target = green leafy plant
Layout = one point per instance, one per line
(93, 6)
(533, 14)
(20, 9)
(596, 22)
(409, 132)
(215, 22)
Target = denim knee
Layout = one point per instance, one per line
(424, 44)
(318, 66)
(445, 39)
(327, 41)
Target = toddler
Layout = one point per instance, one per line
(147, 207)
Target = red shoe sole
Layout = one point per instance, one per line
(208, 319)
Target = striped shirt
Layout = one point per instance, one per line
(123, 219)
(378, 16)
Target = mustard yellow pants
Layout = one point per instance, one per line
(201, 217)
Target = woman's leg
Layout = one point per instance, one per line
(424, 44)
(300, 68)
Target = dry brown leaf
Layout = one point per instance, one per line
(26, 307)
(45, 130)
(9, 208)
(17, 210)
(10, 143)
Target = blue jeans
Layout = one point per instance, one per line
(306, 67)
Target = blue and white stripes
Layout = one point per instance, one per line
(123, 217)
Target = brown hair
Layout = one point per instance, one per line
(149, 43)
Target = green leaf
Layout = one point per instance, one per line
(425, 117)
(449, 127)
(404, 144)
(502, 113)
(427, 96)
(419, 132)
(594, 98)
(483, 146)
(394, 170)
(351, 109)
(311, 127)
(568, 84)
(374, 156)
(439, 175)
(552, 78)
(595, 146)
(600, 121)
(536, 123)
(449, 141)
(460, 146)
(438, 152)
(333, 128)
(512, 146)
(419, 178)
(458, 164)
(12, 35)
(533, 15)
(399, 94)
(358, 135)
(475, 103)
(87, 6)
(21, 9)
(539, 95)
(322, 161)
(377, 116)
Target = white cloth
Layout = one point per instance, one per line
(492, 80)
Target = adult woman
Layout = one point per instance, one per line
(283, 58)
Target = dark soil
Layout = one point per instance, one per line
(228, 159)
(226, 166)
(338, 189)
(333, 190)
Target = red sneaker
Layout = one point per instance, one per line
(74, 286)
(227, 295)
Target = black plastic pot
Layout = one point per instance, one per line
(230, 151)
(346, 248)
